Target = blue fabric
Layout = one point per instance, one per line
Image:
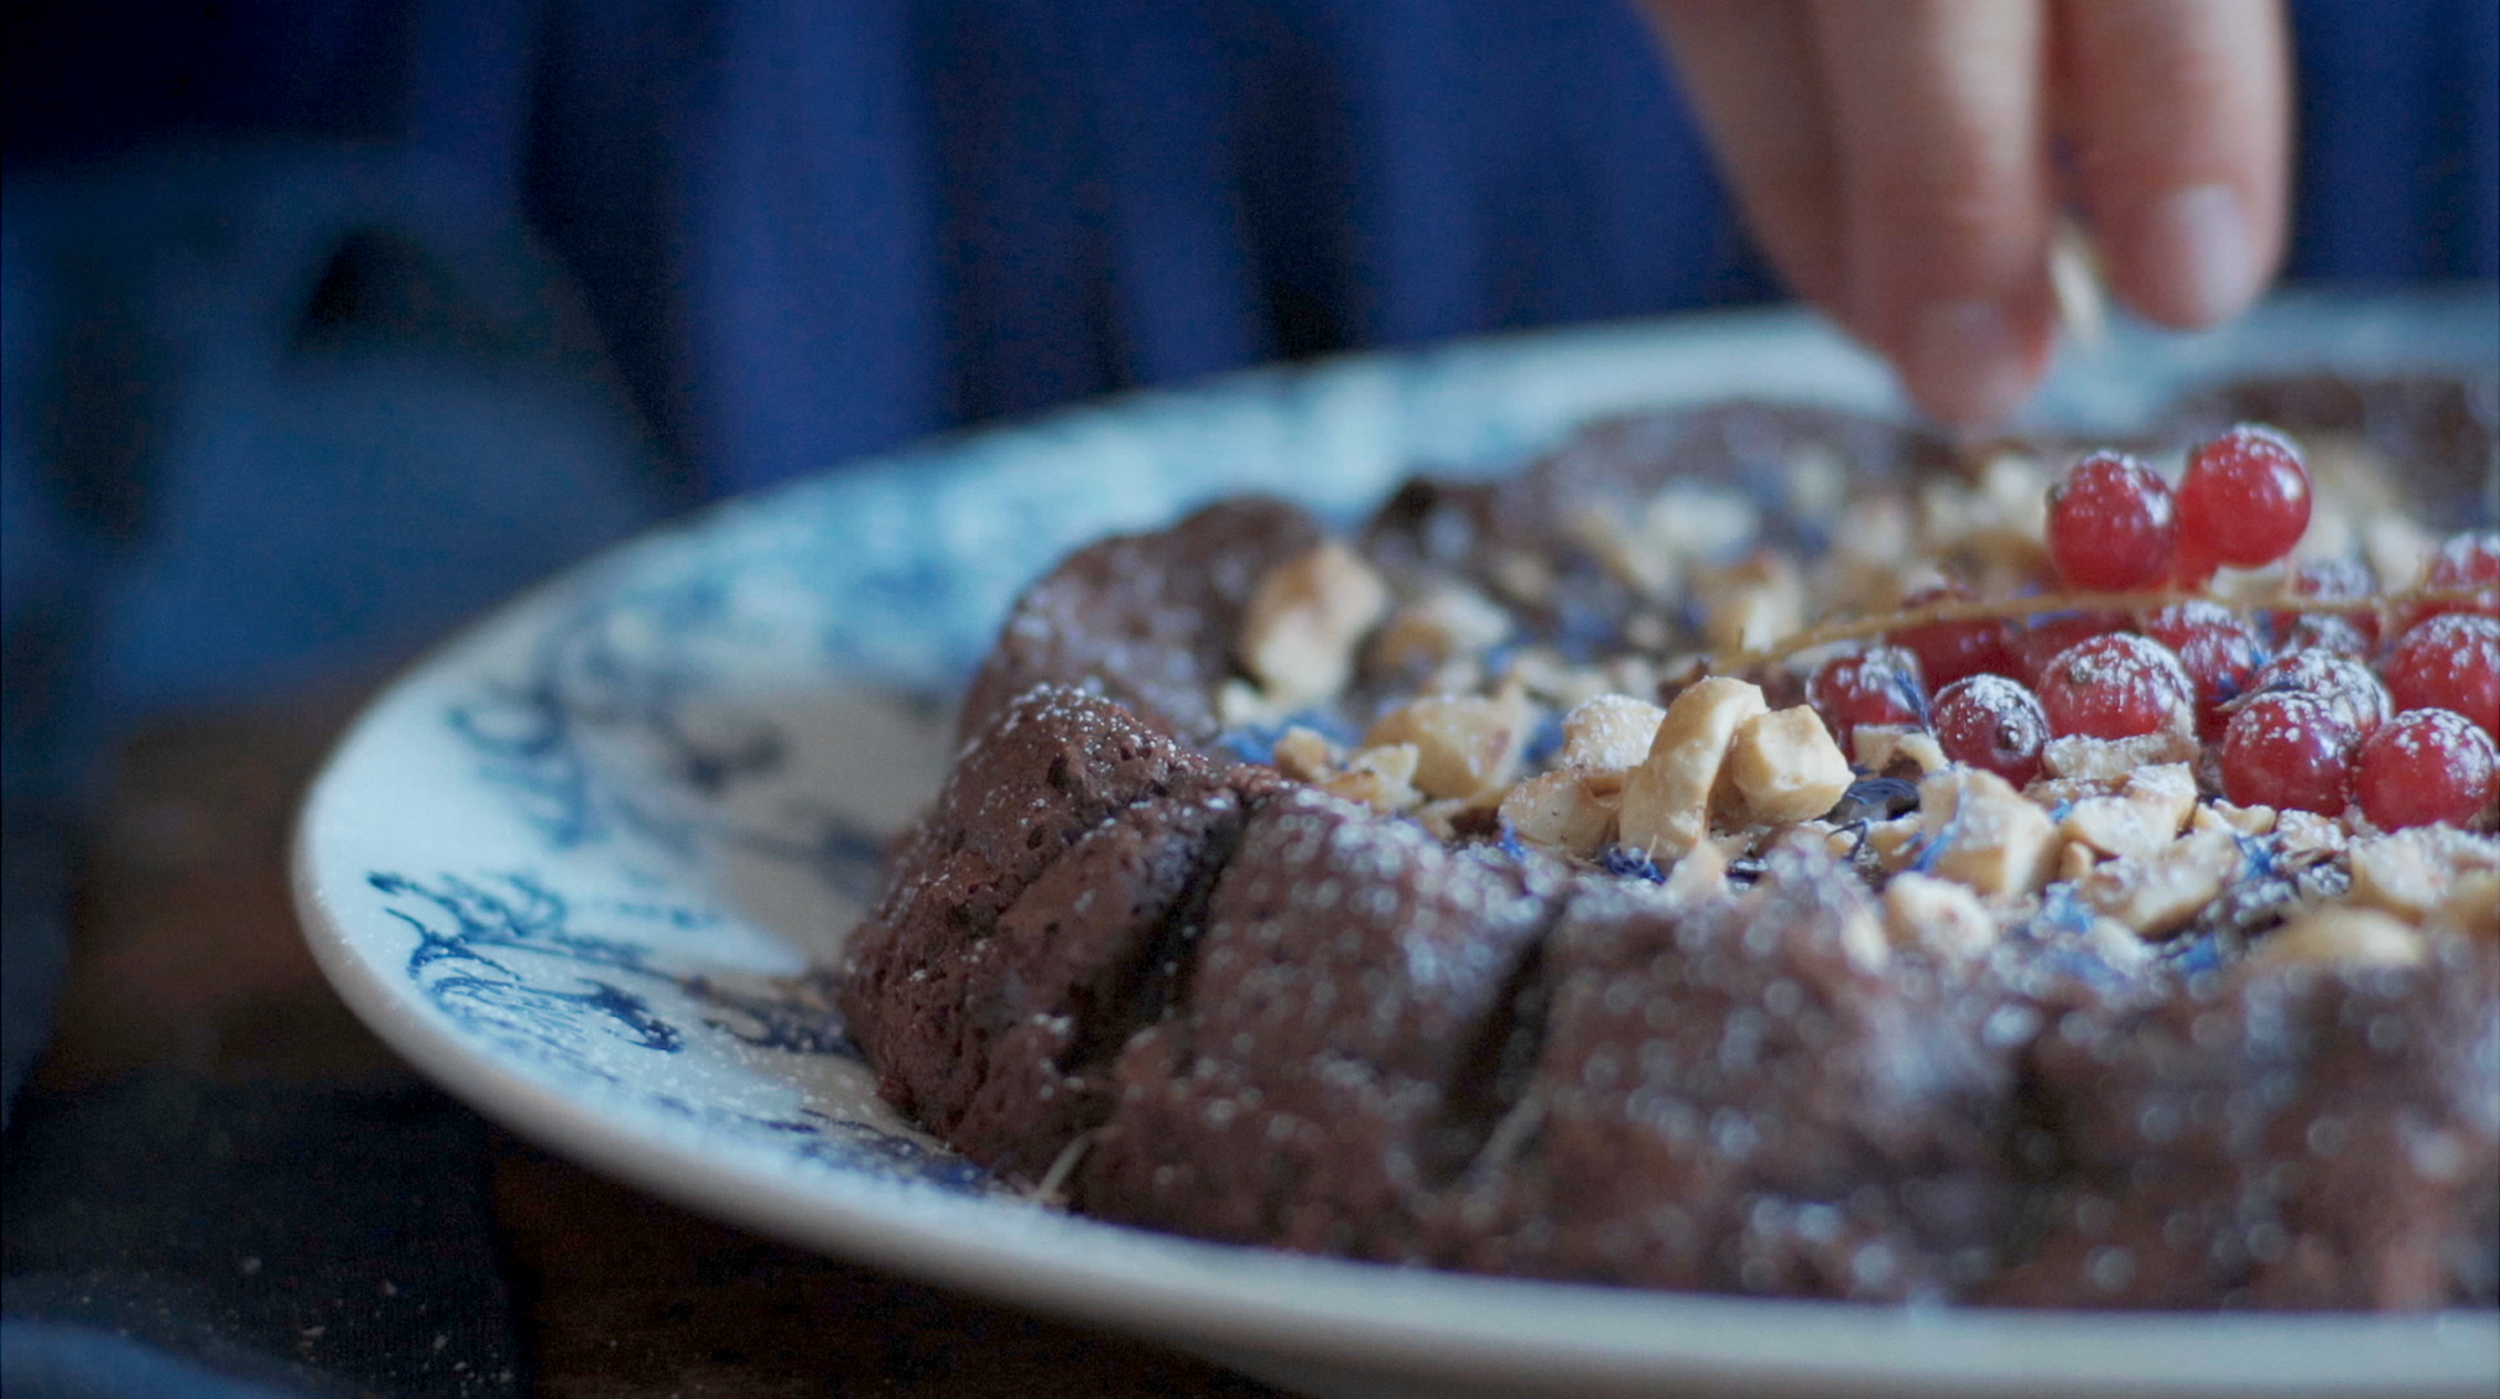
(815, 231)
(803, 232)
(2399, 158)
(52, 1360)
(325, 323)
(341, 411)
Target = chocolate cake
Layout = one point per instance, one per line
(1517, 883)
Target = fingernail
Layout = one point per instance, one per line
(2197, 252)
(1965, 365)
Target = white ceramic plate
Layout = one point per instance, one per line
(561, 865)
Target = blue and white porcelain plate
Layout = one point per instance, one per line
(568, 865)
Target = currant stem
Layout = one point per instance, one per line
(2011, 609)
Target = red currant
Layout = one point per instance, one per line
(2191, 568)
(2117, 686)
(2466, 561)
(2452, 662)
(2341, 683)
(2038, 644)
(2287, 750)
(2244, 500)
(1879, 685)
(1948, 651)
(2331, 580)
(2218, 649)
(2328, 632)
(2425, 766)
(1988, 721)
(2112, 524)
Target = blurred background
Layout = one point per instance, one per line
(325, 324)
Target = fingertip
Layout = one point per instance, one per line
(2180, 115)
(1945, 193)
(1970, 364)
(2191, 257)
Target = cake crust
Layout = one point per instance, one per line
(1200, 994)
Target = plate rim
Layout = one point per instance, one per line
(1294, 1315)
(2344, 1348)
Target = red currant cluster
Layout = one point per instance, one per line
(2114, 524)
(2298, 708)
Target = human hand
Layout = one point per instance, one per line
(1899, 160)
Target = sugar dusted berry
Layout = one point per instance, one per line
(2117, 686)
(2036, 645)
(1879, 685)
(2467, 562)
(2191, 568)
(2451, 661)
(2288, 750)
(1949, 651)
(2343, 684)
(2244, 499)
(2330, 580)
(2425, 766)
(2112, 524)
(2329, 632)
(1988, 721)
(2218, 648)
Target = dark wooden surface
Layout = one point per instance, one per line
(187, 955)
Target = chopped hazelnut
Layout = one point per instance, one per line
(1666, 800)
(2157, 894)
(1896, 842)
(2471, 907)
(1299, 633)
(2077, 755)
(1879, 746)
(1302, 754)
(1441, 818)
(2247, 820)
(1611, 732)
(1984, 833)
(1654, 567)
(2411, 871)
(1465, 743)
(2166, 790)
(1380, 777)
(1701, 875)
(2076, 860)
(1937, 915)
(2340, 933)
(1523, 577)
(2142, 817)
(2306, 831)
(1547, 678)
(1752, 604)
(2015, 485)
(1239, 704)
(2112, 825)
(1560, 810)
(1881, 538)
(1699, 518)
(1629, 675)
(1444, 625)
(1783, 766)
(2054, 792)
(2398, 547)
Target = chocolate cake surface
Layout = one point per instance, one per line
(1192, 941)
